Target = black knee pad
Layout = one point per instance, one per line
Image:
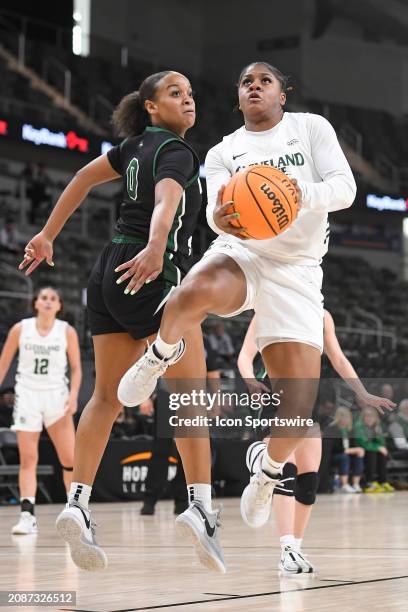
(67, 469)
(306, 488)
(288, 479)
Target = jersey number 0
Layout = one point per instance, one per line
(131, 178)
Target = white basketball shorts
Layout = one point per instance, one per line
(286, 297)
(34, 409)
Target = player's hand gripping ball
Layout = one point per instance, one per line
(266, 200)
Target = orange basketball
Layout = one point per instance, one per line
(265, 199)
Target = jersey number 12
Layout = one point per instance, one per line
(41, 366)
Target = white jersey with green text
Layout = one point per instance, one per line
(42, 362)
(305, 147)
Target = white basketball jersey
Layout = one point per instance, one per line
(42, 362)
(305, 147)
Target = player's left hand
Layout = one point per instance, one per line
(37, 249)
(71, 405)
(374, 401)
(141, 269)
(298, 193)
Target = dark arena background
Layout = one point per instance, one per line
(64, 66)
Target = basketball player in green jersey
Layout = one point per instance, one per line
(128, 287)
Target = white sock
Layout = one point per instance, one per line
(79, 493)
(200, 493)
(165, 349)
(270, 466)
(298, 543)
(287, 540)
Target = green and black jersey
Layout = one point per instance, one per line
(143, 161)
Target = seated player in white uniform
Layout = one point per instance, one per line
(42, 396)
(279, 278)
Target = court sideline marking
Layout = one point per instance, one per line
(232, 597)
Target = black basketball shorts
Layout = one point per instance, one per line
(110, 310)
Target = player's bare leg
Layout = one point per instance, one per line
(62, 435)
(74, 524)
(27, 480)
(296, 367)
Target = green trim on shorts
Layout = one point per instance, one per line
(124, 239)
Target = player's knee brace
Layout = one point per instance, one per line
(288, 480)
(306, 488)
(67, 469)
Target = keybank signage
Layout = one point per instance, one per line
(62, 140)
(386, 202)
(43, 135)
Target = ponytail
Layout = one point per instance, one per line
(130, 117)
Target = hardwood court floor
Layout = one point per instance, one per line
(359, 544)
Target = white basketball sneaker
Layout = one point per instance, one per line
(27, 524)
(256, 499)
(139, 382)
(307, 567)
(257, 496)
(201, 528)
(74, 525)
(290, 562)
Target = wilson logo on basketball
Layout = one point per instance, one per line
(265, 199)
(277, 209)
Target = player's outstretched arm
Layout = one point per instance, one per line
(40, 247)
(9, 350)
(345, 369)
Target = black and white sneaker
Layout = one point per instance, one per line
(201, 528)
(139, 382)
(26, 525)
(290, 562)
(306, 565)
(75, 526)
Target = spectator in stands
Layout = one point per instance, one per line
(369, 435)
(10, 240)
(325, 411)
(346, 454)
(387, 391)
(221, 343)
(399, 430)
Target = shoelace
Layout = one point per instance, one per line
(264, 491)
(154, 365)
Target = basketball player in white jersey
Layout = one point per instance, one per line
(279, 278)
(42, 396)
(293, 500)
